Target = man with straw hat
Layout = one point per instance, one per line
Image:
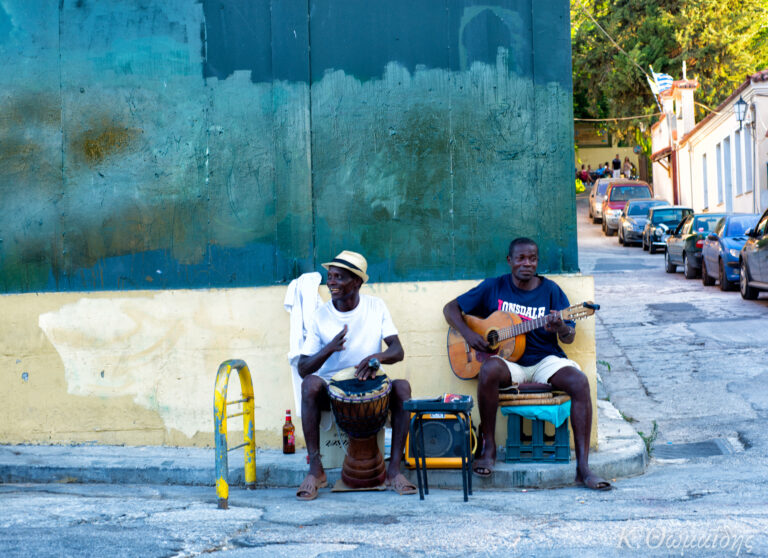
(347, 332)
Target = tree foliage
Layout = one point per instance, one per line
(721, 41)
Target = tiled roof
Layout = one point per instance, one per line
(759, 76)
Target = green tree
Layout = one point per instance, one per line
(720, 41)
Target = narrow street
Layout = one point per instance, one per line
(691, 358)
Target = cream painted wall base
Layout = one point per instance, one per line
(138, 367)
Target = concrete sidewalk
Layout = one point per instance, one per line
(622, 453)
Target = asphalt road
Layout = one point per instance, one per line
(688, 359)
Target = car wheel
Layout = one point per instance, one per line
(645, 246)
(620, 237)
(747, 292)
(595, 220)
(725, 284)
(669, 267)
(609, 231)
(706, 280)
(688, 270)
(651, 248)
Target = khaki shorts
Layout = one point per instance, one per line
(540, 372)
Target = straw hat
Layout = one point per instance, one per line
(352, 261)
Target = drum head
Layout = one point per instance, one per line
(344, 385)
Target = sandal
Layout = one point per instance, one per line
(401, 485)
(483, 467)
(309, 488)
(594, 482)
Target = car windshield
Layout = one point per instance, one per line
(642, 208)
(625, 193)
(705, 223)
(739, 224)
(667, 216)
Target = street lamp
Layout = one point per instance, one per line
(740, 109)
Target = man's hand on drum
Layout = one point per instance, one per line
(363, 371)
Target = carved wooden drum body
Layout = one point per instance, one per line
(360, 409)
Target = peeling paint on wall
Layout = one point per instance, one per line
(152, 349)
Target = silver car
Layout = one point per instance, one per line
(633, 219)
(596, 197)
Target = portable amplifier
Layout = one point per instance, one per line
(442, 441)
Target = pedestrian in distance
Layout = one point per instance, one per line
(616, 166)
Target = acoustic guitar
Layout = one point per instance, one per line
(505, 333)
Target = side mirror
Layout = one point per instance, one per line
(749, 232)
(711, 236)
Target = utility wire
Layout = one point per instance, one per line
(586, 13)
(702, 105)
(639, 67)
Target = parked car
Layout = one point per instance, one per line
(596, 197)
(684, 244)
(633, 218)
(722, 247)
(662, 220)
(753, 260)
(618, 193)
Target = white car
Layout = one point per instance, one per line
(596, 197)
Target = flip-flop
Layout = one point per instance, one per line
(308, 489)
(483, 468)
(401, 485)
(596, 483)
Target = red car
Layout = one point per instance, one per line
(619, 192)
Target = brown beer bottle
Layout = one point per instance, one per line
(289, 438)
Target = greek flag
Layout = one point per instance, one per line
(663, 81)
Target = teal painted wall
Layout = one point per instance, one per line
(179, 143)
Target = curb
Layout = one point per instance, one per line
(622, 454)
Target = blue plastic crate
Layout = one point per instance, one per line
(538, 447)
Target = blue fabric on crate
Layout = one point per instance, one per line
(556, 414)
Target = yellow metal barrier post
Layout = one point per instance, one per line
(220, 427)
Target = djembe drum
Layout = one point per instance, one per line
(360, 408)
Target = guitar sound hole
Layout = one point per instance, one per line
(493, 338)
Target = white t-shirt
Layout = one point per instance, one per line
(367, 325)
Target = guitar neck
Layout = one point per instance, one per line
(523, 327)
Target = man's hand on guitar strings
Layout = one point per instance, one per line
(555, 324)
(477, 342)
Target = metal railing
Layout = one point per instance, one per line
(220, 404)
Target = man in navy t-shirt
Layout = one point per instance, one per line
(530, 296)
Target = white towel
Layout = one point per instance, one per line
(301, 301)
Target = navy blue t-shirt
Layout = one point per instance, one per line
(500, 293)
